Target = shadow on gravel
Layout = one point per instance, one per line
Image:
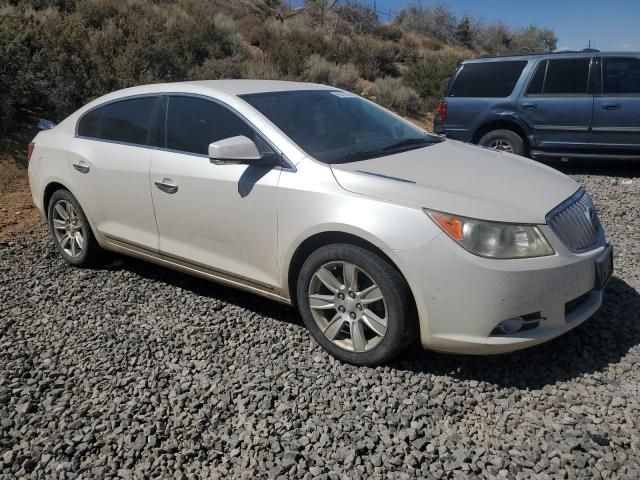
(205, 288)
(610, 167)
(591, 347)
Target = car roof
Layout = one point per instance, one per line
(229, 87)
(559, 54)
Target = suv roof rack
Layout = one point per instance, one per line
(531, 54)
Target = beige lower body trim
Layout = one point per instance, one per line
(224, 278)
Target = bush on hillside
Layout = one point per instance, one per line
(320, 70)
(391, 93)
(429, 76)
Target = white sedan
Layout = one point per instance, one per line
(380, 233)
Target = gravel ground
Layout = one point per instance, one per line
(134, 371)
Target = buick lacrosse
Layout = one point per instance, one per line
(379, 233)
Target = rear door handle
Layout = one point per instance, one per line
(529, 106)
(611, 106)
(81, 166)
(167, 185)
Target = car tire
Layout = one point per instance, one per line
(504, 140)
(373, 322)
(71, 231)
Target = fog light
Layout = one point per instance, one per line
(512, 325)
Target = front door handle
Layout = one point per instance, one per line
(167, 185)
(611, 106)
(81, 166)
(529, 106)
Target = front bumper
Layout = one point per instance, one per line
(461, 297)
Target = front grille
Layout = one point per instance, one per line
(576, 222)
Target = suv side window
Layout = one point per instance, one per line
(487, 79)
(126, 121)
(193, 123)
(564, 76)
(620, 75)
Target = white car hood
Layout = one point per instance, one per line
(461, 179)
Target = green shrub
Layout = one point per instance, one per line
(319, 70)
(393, 94)
(429, 76)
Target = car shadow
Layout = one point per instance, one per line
(610, 167)
(591, 347)
(204, 288)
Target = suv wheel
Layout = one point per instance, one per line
(71, 231)
(504, 140)
(355, 304)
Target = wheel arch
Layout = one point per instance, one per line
(49, 190)
(54, 184)
(503, 124)
(321, 239)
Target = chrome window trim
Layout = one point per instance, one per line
(287, 166)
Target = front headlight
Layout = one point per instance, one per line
(493, 239)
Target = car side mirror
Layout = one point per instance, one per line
(240, 150)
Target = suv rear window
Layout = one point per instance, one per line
(487, 79)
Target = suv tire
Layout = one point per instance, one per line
(504, 140)
(356, 304)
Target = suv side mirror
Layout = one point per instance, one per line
(240, 150)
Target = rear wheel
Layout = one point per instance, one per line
(355, 304)
(71, 231)
(504, 140)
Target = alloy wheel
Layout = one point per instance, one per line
(501, 144)
(348, 306)
(68, 229)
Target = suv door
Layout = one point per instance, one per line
(558, 103)
(214, 217)
(616, 112)
(110, 157)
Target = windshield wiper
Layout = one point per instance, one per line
(408, 142)
(401, 145)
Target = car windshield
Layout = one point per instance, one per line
(334, 126)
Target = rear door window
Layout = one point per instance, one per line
(620, 75)
(127, 121)
(193, 123)
(487, 79)
(566, 76)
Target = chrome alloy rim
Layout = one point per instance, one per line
(500, 144)
(348, 306)
(67, 228)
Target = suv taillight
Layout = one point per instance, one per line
(30, 150)
(441, 111)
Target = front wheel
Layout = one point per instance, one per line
(504, 140)
(355, 304)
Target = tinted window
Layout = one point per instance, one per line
(336, 126)
(487, 79)
(88, 126)
(567, 76)
(621, 75)
(535, 87)
(194, 123)
(128, 121)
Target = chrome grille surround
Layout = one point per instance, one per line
(575, 221)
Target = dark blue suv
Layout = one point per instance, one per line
(569, 104)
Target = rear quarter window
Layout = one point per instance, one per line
(487, 79)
